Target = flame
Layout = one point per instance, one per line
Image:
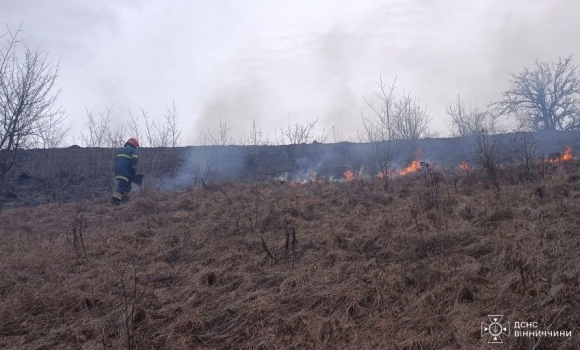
(312, 175)
(348, 175)
(411, 168)
(564, 156)
(463, 166)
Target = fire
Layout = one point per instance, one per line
(348, 175)
(463, 166)
(411, 168)
(564, 156)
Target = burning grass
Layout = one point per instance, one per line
(341, 265)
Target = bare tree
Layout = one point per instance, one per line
(150, 129)
(116, 137)
(134, 127)
(488, 155)
(394, 118)
(27, 97)
(411, 120)
(171, 121)
(494, 150)
(299, 133)
(377, 132)
(466, 120)
(380, 125)
(222, 138)
(545, 97)
(525, 150)
(165, 134)
(98, 129)
(256, 137)
(53, 135)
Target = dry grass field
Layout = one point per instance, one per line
(343, 265)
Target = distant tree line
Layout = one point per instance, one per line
(542, 97)
(100, 132)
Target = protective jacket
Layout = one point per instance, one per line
(126, 163)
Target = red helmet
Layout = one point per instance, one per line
(133, 141)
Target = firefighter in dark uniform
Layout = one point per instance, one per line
(125, 168)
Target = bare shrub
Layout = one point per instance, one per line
(466, 120)
(301, 133)
(223, 136)
(525, 146)
(490, 151)
(100, 133)
(395, 118)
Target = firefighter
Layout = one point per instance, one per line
(125, 168)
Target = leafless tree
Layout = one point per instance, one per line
(98, 128)
(101, 133)
(488, 150)
(165, 134)
(255, 137)
(466, 120)
(380, 126)
(134, 127)
(377, 135)
(545, 97)
(393, 118)
(411, 120)
(494, 150)
(170, 128)
(53, 135)
(150, 129)
(222, 138)
(526, 149)
(299, 133)
(27, 97)
(116, 137)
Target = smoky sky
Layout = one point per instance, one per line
(282, 62)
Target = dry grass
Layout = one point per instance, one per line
(327, 266)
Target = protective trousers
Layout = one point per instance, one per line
(123, 190)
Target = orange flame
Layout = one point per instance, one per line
(564, 156)
(463, 166)
(348, 175)
(411, 168)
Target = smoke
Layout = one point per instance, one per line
(203, 165)
(292, 62)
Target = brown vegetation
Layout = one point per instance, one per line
(315, 266)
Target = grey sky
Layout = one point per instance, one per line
(280, 60)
